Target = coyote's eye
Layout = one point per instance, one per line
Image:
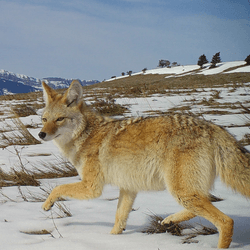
(60, 119)
(44, 119)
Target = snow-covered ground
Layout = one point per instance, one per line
(92, 220)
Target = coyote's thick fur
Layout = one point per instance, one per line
(175, 152)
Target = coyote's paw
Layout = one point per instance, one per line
(167, 221)
(117, 230)
(47, 205)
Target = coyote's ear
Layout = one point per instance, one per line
(48, 93)
(74, 93)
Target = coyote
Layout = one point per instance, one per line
(176, 152)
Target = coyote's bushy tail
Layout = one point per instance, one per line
(232, 163)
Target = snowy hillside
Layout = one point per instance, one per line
(24, 225)
(224, 67)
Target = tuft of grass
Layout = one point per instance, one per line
(61, 210)
(19, 136)
(21, 176)
(155, 226)
(245, 141)
(216, 94)
(38, 232)
(108, 107)
(177, 229)
(202, 230)
(57, 169)
(23, 110)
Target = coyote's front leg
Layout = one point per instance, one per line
(77, 190)
(126, 200)
(89, 188)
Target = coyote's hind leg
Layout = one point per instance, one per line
(183, 215)
(201, 206)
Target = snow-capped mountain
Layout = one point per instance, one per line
(11, 83)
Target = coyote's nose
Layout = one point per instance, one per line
(42, 135)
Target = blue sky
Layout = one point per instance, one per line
(97, 39)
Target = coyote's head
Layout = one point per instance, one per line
(62, 116)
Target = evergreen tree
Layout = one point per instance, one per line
(247, 60)
(216, 59)
(202, 60)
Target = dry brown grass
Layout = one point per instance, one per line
(144, 85)
(37, 232)
(23, 110)
(23, 104)
(108, 107)
(155, 226)
(57, 169)
(195, 230)
(20, 176)
(17, 177)
(61, 210)
(19, 136)
(33, 96)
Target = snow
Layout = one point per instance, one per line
(221, 67)
(92, 220)
(240, 70)
(173, 70)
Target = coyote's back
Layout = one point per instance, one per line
(175, 152)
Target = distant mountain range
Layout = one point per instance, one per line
(11, 83)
